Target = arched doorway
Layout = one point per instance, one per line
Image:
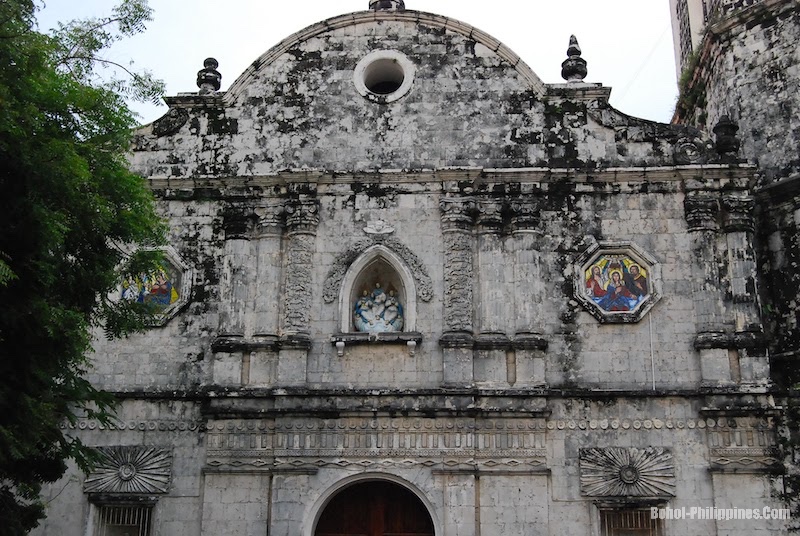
(375, 508)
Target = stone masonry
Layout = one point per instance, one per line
(581, 338)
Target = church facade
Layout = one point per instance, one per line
(412, 289)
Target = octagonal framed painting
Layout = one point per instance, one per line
(168, 287)
(617, 282)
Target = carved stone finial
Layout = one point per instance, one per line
(574, 67)
(209, 79)
(389, 5)
(727, 143)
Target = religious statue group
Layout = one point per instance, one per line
(616, 284)
(378, 311)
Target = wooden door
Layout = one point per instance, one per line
(375, 509)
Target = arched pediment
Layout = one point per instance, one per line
(408, 17)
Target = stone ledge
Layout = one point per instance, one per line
(391, 337)
(231, 344)
(721, 340)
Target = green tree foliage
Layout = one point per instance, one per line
(69, 211)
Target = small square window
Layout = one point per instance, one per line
(629, 523)
(119, 520)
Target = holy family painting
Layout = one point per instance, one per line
(158, 288)
(616, 282)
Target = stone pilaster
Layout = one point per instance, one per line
(702, 217)
(492, 367)
(236, 281)
(739, 226)
(529, 292)
(457, 337)
(265, 308)
(302, 219)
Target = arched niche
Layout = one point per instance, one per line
(378, 265)
(407, 509)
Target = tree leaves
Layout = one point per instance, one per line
(70, 211)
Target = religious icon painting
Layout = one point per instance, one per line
(167, 287)
(617, 282)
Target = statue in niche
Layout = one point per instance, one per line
(378, 312)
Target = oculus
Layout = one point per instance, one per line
(384, 76)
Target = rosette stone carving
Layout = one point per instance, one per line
(627, 472)
(140, 470)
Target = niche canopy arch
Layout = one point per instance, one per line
(378, 300)
(378, 269)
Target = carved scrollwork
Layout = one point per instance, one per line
(627, 472)
(333, 280)
(525, 214)
(738, 214)
(171, 122)
(701, 212)
(690, 151)
(302, 215)
(137, 470)
(457, 212)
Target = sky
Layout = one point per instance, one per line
(627, 43)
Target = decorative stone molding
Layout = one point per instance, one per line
(302, 216)
(701, 212)
(617, 282)
(525, 213)
(458, 212)
(270, 220)
(627, 472)
(171, 122)
(333, 280)
(303, 442)
(737, 214)
(238, 223)
(690, 150)
(409, 338)
(726, 143)
(135, 470)
(573, 69)
(489, 215)
(208, 78)
(746, 460)
(724, 340)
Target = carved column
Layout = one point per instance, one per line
(529, 289)
(495, 304)
(302, 219)
(457, 337)
(702, 212)
(748, 341)
(235, 281)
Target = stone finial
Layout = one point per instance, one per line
(574, 67)
(389, 5)
(208, 78)
(727, 143)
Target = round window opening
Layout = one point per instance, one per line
(384, 76)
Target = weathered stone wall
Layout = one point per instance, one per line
(749, 69)
(512, 402)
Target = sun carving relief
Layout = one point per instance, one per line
(627, 472)
(617, 282)
(130, 470)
